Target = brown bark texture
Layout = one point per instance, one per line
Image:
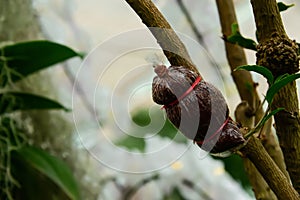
(277, 181)
(280, 54)
(243, 79)
(151, 16)
(166, 37)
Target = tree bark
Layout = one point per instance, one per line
(277, 181)
(166, 37)
(247, 90)
(270, 31)
(151, 16)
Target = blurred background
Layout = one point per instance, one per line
(124, 147)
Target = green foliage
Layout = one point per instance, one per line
(283, 7)
(131, 143)
(22, 59)
(171, 132)
(28, 172)
(258, 69)
(235, 167)
(51, 167)
(279, 83)
(269, 115)
(142, 118)
(237, 38)
(274, 87)
(14, 101)
(175, 194)
(11, 138)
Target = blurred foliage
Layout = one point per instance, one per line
(14, 101)
(235, 167)
(27, 172)
(132, 143)
(233, 164)
(47, 168)
(142, 118)
(11, 138)
(175, 194)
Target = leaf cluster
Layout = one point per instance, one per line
(26, 170)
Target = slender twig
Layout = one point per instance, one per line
(186, 13)
(132, 190)
(204, 195)
(79, 90)
(198, 35)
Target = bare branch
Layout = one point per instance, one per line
(166, 37)
(277, 181)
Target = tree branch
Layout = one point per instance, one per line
(267, 19)
(277, 181)
(260, 187)
(236, 57)
(151, 16)
(256, 153)
(281, 59)
(198, 35)
(166, 37)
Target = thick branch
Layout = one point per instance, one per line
(166, 37)
(236, 57)
(256, 153)
(278, 53)
(260, 188)
(267, 19)
(151, 16)
(277, 181)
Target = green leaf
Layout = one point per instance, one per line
(131, 143)
(53, 168)
(237, 38)
(259, 69)
(25, 58)
(281, 77)
(141, 117)
(13, 101)
(171, 132)
(175, 194)
(280, 84)
(269, 115)
(283, 7)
